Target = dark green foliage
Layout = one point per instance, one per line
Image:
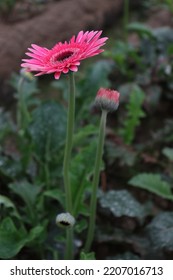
(81, 173)
(28, 88)
(122, 153)
(10, 167)
(13, 239)
(134, 114)
(56, 194)
(7, 204)
(88, 256)
(29, 194)
(6, 124)
(120, 54)
(141, 29)
(168, 152)
(153, 183)
(122, 203)
(160, 231)
(48, 130)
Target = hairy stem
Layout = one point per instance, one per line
(93, 202)
(23, 116)
(66, 163)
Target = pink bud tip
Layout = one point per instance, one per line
(107, 99)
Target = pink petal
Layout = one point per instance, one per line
(74, 68)
(38, 48)
(39, 74)
(65, 70)
(50, 71)
(57, 75)
(32, 61)
(34, 55)
(79, 36)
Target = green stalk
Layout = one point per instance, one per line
(23, 116)
(47, 174)
(95, 183)
(66, 163)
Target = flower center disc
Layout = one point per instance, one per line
(60, 57)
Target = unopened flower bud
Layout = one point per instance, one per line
(65, 220)
(107, 99)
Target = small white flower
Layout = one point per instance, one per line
(65, 220)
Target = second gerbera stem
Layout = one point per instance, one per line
(69, 141)
(23, 116)
(97, 166)
(66, 163)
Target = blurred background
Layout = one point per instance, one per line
(46, 22)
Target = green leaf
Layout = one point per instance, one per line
(168, 152)
(56, 194)
(160, 231)
(141, 29)
(87, 256)
(7, 203)
(26, 191)
(12, 239)
(81, 225)
(122, 203)
(153, 183)
(36, 235)
(83, 133)
(48, 130)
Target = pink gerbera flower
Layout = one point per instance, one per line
(64, 56)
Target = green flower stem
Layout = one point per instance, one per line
(69, 244)
(69, 142)
(47, 174)
(23, 116)
(97, 166)
(66, 163)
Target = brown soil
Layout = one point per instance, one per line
(53, 22)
